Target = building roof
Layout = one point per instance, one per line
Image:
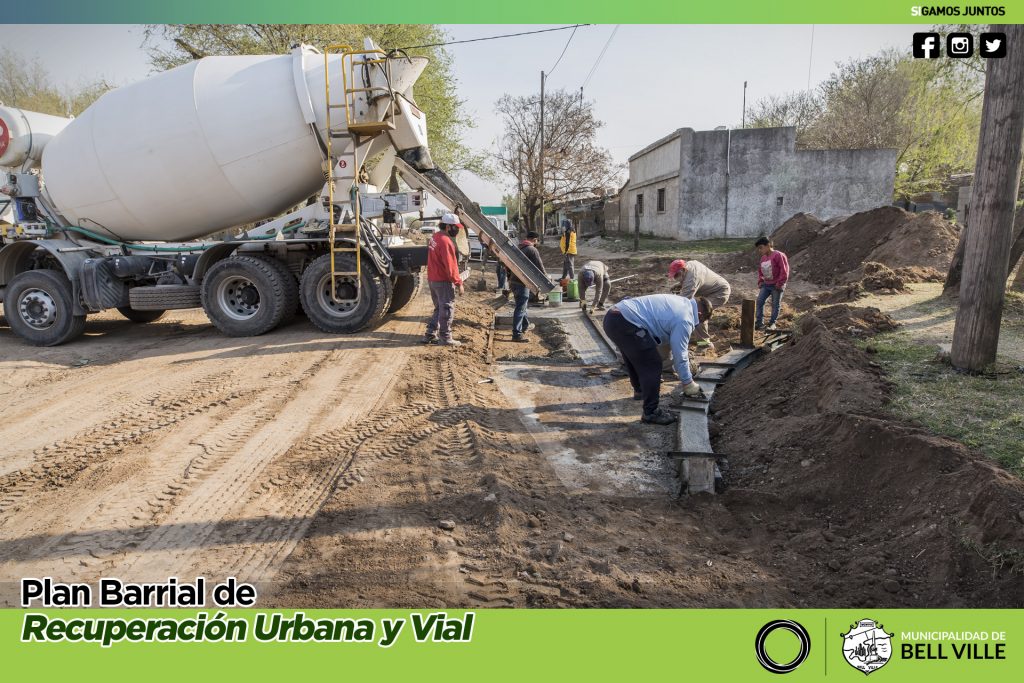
(658, 143)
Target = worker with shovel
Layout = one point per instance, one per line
(696, 280)
(637, 326)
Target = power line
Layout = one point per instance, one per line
(552, 69)
(600, 56)
(506, 35)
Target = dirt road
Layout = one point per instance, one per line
(321, 468)
(148, 451)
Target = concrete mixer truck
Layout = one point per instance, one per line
(109, 208)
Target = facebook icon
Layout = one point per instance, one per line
(926, 45)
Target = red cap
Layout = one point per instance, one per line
(675, 267)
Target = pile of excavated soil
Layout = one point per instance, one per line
(880, 279)
(888, 235)
(797, 233)
(889, 514)
(855, 320)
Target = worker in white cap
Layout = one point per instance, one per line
(443, 275)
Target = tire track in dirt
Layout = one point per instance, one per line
(294, 489)
(217, 518)
(29, 422)
(122, 515)
(58, 464)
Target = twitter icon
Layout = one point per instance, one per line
(993, 45)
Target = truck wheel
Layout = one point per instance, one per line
(406, 288)
(245, 296)
(343, 316)
(40, 308)
(291, 286)
(140, 316)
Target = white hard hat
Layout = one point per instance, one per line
(450, 218)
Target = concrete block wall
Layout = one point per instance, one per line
(763, 164)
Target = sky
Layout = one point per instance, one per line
(652, 80)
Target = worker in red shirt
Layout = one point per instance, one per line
(443, 274)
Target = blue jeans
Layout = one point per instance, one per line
(762, 296)
(502, 276)
(519, 317)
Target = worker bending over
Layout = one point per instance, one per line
(594, 273)
(697, 280)
(637, 326)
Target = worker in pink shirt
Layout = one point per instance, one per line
(772, 276)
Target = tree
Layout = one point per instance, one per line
(170, 45)
(799, 109)
(996, 182)
(929, 114)
(511, 204)
(574, 165)
(27, 85)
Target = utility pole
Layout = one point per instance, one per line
(996, 179)
(744, 124)
(543, 193)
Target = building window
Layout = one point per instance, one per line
(661, 200)
(640, 204)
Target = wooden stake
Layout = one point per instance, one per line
(747, 324)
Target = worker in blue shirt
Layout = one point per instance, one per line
(637, 326)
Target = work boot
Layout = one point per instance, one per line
(429, 339)
(659, 417)
(520, 339)
(771, 327)
(759, 326)
(638, 396)
(450, 342)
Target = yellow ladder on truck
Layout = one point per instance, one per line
(357, 129)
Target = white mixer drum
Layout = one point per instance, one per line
(206, 146)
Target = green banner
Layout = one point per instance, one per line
(728, 645)
(523, 11)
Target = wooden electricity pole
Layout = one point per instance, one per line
(996, 179)
(543, 187)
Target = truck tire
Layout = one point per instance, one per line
(291, 286)
(40, 308)
(405, 289)
(245, 296)
(163, 298)
(333, 317)
(140, 316)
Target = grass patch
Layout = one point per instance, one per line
(985, 412)
(1013, 310)
(660, 245)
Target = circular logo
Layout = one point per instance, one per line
(793, 627)
(342, 164)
